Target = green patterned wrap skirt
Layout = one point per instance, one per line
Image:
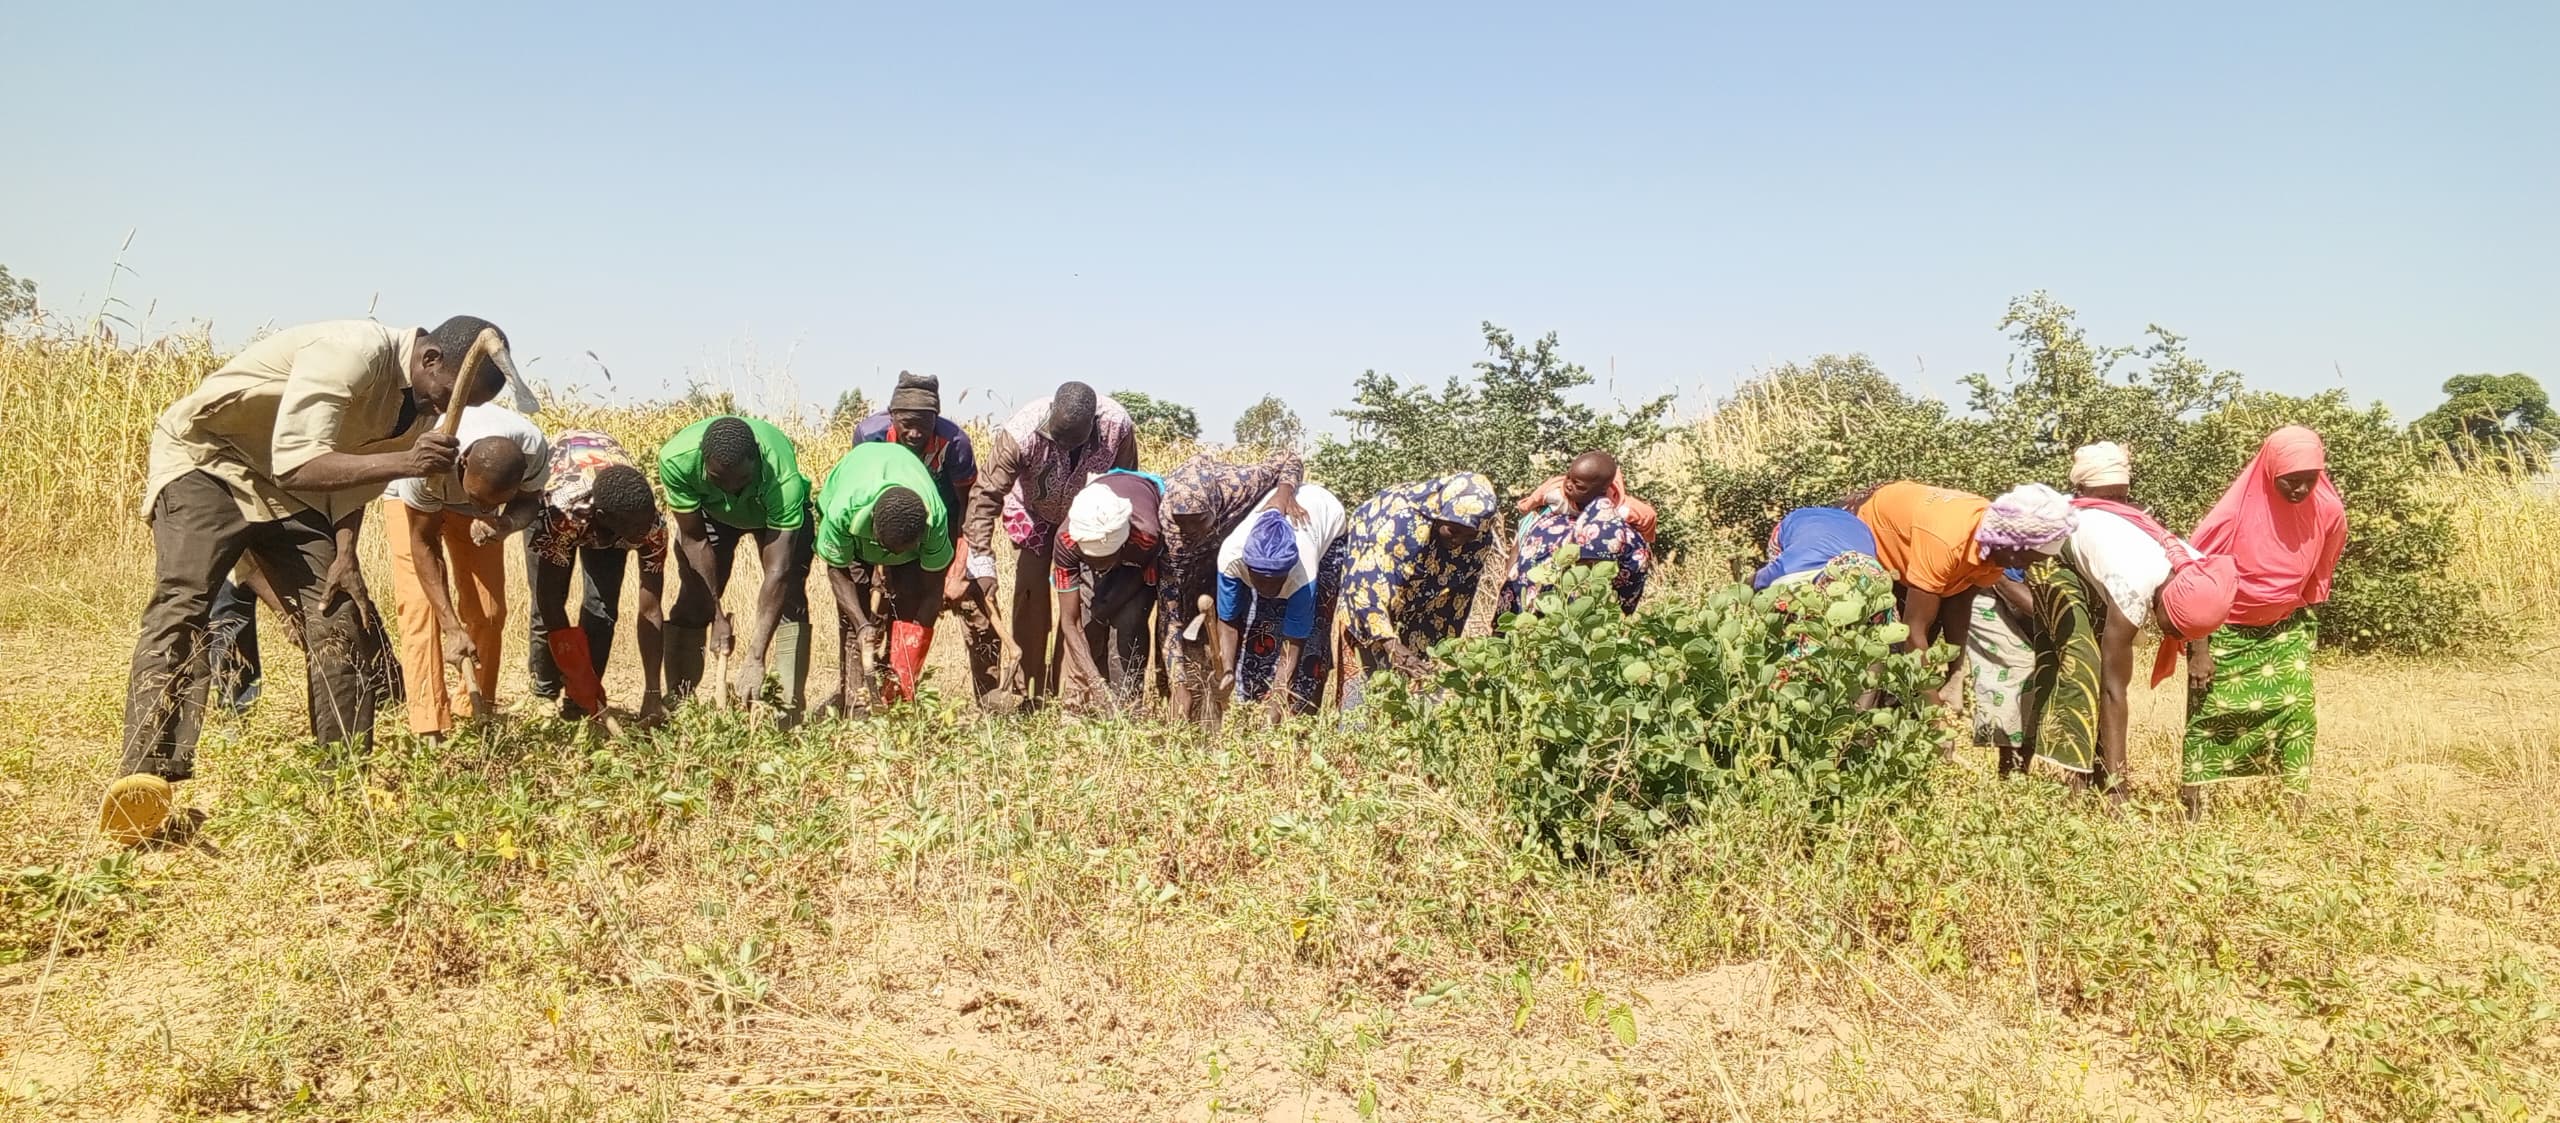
(2063, 695)
(2257, 717)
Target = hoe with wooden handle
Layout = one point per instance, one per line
(1205, 677)
(482, 346)
(720, 665)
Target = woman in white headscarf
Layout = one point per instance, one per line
(2001, 647)
(1103, 571)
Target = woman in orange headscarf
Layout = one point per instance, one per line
(2249, 704)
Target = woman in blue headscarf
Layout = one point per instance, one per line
(1278, 580)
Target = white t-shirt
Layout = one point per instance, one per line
(480, 423)
(1325, 521)
(2123, 559)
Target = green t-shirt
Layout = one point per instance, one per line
(777, 500)
(844, 508)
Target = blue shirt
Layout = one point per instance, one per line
(1809, 537)
(947, 456)
(1297, 614)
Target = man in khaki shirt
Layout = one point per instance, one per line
(275, 455)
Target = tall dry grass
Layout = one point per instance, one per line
(2507, 542)
(76, 413)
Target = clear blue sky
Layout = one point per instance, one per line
(1213, 201)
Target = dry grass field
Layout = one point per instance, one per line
(940, 915)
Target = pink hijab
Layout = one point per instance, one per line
(2286, 552)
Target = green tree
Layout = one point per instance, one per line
(1512, 422)
(2063, 392)
(1269, 424)
(2494, 420)
(1160, 422)
(17, 298)
(850, 408)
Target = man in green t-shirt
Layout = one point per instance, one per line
(727, 478)
(882, 522)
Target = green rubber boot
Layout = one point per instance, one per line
(790, 664)
(684, 660)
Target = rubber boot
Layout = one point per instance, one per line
(577, 669)
(908, 644)
(791, 662)
(684, 660)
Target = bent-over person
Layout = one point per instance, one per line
(1417, 551)
(914, 421)
(1103, 570)
(454, 524)
(1279, 578)
(729, 479)
(597, 513)
(275, 455)
(1040, 458)
(886, 539)
(1205, 500)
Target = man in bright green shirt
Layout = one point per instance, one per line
(728, 478)
(882, 527)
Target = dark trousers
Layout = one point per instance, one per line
(1117, 612)
(232, 641)
(913, 593)
(908, 592)
(600, 571)
(197, 535)
(696, 603)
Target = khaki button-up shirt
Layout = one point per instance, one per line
(319, 388)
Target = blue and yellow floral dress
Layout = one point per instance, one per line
(1403, 582)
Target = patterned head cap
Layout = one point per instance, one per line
(1465, 498)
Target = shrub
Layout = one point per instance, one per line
(1513, 423)
(1159, 421)
(1607, 729)
(1269, 425)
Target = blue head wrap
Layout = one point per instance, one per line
(1270, 548)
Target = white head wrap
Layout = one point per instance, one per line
(2104, 464)
(1098, 521)
(2028, 517)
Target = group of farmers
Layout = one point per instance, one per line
(1232, 581)
(1225, 578)
(2045, 594)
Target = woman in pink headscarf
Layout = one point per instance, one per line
(2249, 705)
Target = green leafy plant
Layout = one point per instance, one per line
(1606, 730)
(17, 298)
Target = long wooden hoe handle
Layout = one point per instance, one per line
(482, 346)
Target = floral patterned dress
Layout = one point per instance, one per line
(1403, 582)
(1226, 493)
(1598, 532)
